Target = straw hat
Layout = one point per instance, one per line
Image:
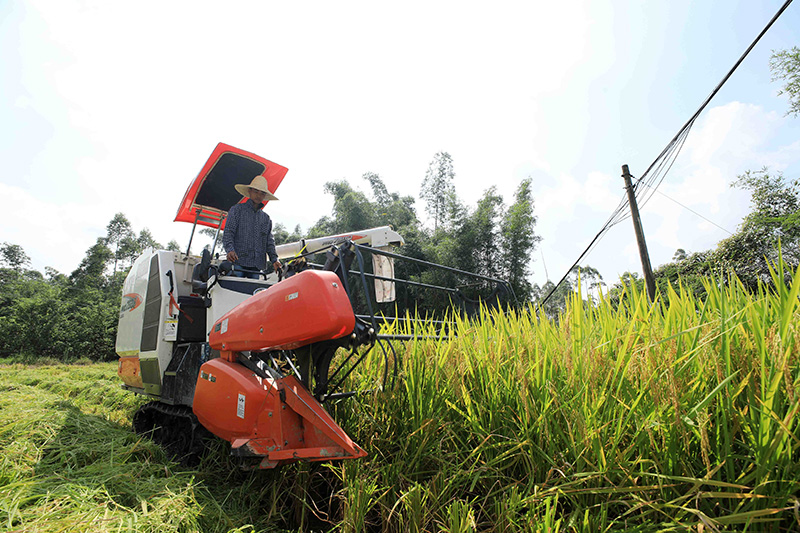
(258, 183)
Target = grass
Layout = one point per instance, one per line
(677, 416)
(69, 461)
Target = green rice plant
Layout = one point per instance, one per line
(414, 511)
(678, 415)
(459, 518)
(673, 415)
(359, 499)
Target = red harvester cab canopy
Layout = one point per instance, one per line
(212, 193)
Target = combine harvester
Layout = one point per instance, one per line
(252, 361)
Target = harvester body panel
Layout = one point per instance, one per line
(131, 314)
(274, 419)
(309, 307)
(228, 399)
(212, 193)
(227, 292)
(149, 317)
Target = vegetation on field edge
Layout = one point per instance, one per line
(616, 417)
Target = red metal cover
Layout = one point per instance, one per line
(276, 420)
(311, 306)
(212, 193)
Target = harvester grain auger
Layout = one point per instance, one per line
(252, 361)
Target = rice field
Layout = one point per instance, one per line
(677, 416)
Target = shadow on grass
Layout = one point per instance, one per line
(92, 464)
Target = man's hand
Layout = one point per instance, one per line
(277, 265)
(232, 257)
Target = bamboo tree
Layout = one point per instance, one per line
(116, 232)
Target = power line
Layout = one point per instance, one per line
(695, 212)
(689, 123)
(663, 163)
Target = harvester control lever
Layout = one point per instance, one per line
(171, 282)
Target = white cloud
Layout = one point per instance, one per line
(732, 134)
(729, 140)
(58, 244)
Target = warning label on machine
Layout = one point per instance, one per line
(240, 407)
(171, 329)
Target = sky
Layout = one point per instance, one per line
(109, 106)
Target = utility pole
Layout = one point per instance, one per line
(637, 227)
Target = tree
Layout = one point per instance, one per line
(90, 272)
(785, 66)
(13, 256)
(116, 232)
(379, 190)
(146, 240)
(391, 208)
(29, 307)
(586, 279)
(469, 243)
(129, 247)
(558, 297)
(686, 269)
(579, 282)
(352, 209)
(324, 226)
(55, 276)
(282, 235)
(173, 246)
(437, 189)
(127, 252)
(774, 218)
(519, 240)
(484, 235)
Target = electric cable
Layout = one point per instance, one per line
(721, 83)
(695, 212)
(663, 163)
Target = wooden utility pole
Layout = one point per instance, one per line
(637, 227)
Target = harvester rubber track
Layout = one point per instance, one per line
(175, 428)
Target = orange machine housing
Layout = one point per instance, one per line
(275, 419)
(309, 307)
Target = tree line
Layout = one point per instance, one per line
(71, 317)
(68, 317)
(491, 238)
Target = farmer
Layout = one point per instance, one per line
(248, 231)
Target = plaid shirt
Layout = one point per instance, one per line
(248, 232)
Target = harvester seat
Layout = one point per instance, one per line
(200, 273)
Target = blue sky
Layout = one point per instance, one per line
(109, 107)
